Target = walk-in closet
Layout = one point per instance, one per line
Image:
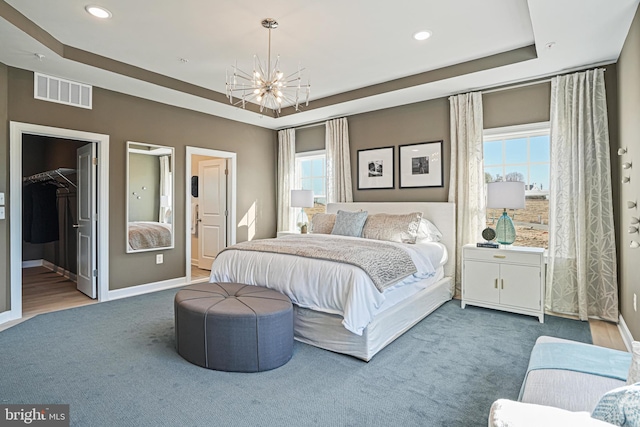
(49, 223)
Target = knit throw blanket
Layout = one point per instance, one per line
(384, 263)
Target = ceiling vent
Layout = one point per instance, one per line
(54, 89)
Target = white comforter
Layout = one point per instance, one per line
(321, 285)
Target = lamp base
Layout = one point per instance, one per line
(505, 230)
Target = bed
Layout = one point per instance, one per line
(327, 320)
(149, 235)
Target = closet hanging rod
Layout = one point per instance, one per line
(52, 174)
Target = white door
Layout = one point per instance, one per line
(212, 210)
(86, 220)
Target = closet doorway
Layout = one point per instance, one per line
(211, 206)
(51, 224)
(55, 187)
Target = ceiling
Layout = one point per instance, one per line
(359, 55)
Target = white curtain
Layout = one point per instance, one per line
(338, 161)
(466, 181)
(164, 215)
(581, 271)
(286, 178)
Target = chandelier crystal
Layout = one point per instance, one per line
(267, 85)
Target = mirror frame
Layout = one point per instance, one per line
(129, 147)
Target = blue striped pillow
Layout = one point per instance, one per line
(620, 406)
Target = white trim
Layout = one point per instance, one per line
(6, 317)
(147, 288)
(626, 334)
(231, 197)
(531, 129)
(33, 263)
(313, 153)
(16, 131)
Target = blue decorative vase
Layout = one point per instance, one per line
(505, 230)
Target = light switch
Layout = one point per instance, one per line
(1, 199)
(1, 212)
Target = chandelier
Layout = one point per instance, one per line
(267, 85)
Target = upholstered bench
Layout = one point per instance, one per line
(233, 327)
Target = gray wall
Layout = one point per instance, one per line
(629, 128)
(127, 118)
(5, 292)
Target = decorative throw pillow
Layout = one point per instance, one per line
(349, 223)
(634, 369)
(508, 413)
(393, 228)
(427, 232)
(620, 406)
(322, 223)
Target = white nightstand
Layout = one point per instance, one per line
(286, 233)
(510, 278)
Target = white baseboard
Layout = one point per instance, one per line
(56, 269)
(626, 334)
(6, 317)
(32, 263)
(147, 288)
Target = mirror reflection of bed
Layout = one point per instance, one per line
(149, 197)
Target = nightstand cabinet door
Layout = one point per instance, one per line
(485, 277)
(520, 286)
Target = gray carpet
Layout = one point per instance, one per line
(116, 365)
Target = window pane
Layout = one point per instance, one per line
(539, 148)
(493, 153)
(516, 150)
(493, 174)
(318, 186)
(539, 178)
(306, 168)
(306, 184)
(318, 167)
(516, 173)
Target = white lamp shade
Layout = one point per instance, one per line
(505, 195)
(301, 198)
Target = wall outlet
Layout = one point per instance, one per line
(159, 259)
(1, 212)
(1, 199)
(635, 302)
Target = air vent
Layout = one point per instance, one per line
(54, 89)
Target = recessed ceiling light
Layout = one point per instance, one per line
(98, 12)
(422, 35)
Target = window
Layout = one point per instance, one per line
(311, 174)
(522, 153)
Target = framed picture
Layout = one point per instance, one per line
(421, 165)
(375, 168)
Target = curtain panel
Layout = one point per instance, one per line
(466, 180)
(339, 187)
(286, 178)
(581, 273)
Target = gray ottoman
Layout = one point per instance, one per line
(233, 327)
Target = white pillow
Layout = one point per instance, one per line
(634, 369)
(508, 413)
(427, 232)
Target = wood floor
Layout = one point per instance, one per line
(44, 291)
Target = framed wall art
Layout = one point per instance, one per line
(421, 165)
(375, 168)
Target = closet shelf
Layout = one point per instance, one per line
(52, 175)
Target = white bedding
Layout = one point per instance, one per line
(325, 286)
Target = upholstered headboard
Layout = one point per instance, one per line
(442, 214)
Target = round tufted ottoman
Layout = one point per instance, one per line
(233, 327)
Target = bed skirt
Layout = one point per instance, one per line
(326, 330)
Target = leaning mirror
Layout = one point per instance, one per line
(149, 197)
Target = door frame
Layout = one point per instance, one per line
(17, 130)
(231, 197)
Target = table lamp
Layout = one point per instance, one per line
(302, 199)
(505, 195)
